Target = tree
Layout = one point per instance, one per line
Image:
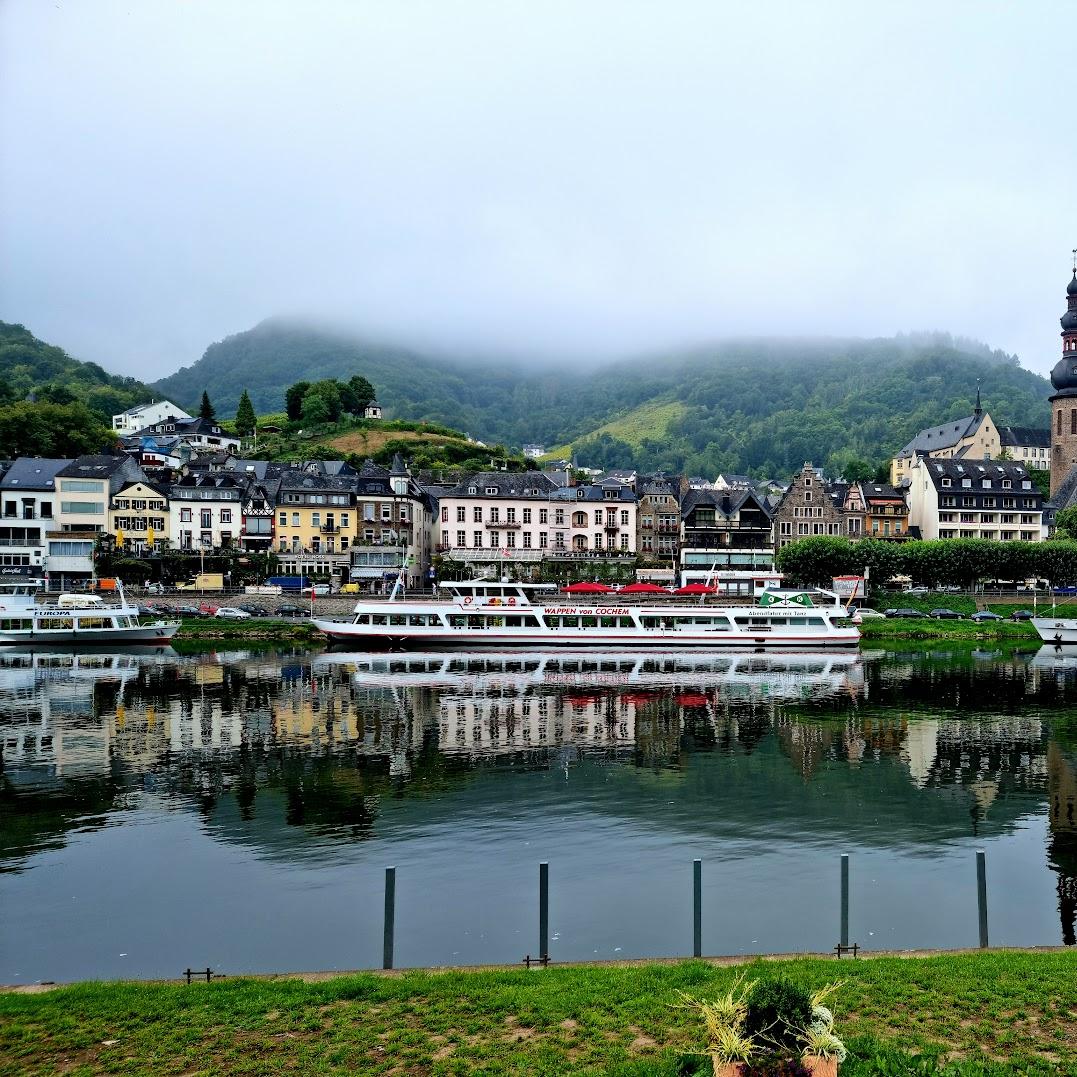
(1066, 524)
(857, 470)
(321, 402)
(815, 561)
(362, 393)
(245, 417)
(293, 400)
(206, 410)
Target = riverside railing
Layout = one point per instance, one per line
(843, 946)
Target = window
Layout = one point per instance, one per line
(478, 540)
(807, 495)
(1073, 420)
(344, 519)
(527, 540)
(624, 517)
(510, 538)
(185, 516)
(295, 519)
(315, 519)
(85, 508)
(461, 514)
(598, 517)
(461, 538)
(206, 518)
(527, 516)
(510, 515)
(544, 516)
(226, 516)
(543, 536)
(624, 542)
(476, 515)
(81, 486)
(559, 517)
(491, 490)
(495, 539)
(64, 548)
(495, 515)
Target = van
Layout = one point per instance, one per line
(350, 589)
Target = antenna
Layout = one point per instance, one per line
(1075, 261)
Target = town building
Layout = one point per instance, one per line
(658, 519)
(974, 436)
(874, 510)
(139, 517)
(373, 410)
(28, 496)
(84, 492)
(806, 509)
(206, 511)
(601, 517)
(1027, 445)
(203, 435)
(143, 415)
(726, 541)
(974, 499)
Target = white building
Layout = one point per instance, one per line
(206, 511)
(28, 497)
(973, 499)
(143, 415)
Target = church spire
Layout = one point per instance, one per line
(979, 409)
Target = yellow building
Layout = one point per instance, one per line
(975, 436)
(136, 510)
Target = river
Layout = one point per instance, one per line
(237, 809)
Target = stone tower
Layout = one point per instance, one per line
(1064, 399)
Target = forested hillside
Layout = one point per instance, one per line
(763, 406)
(72, 402)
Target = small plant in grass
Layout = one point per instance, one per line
(778, 1011)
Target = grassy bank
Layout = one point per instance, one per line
(928, 628)
(963, 1015)
(212, 628)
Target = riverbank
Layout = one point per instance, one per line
(927, 628)
(988, 1013)
(195, 630)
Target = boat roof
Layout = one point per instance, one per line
(477, 584)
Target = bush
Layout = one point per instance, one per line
(778, 1013)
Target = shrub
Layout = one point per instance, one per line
(778, 1012)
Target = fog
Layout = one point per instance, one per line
(571, 180)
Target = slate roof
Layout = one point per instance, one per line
(33, 473)
(725, 502)
(1066, 495)
(945, 436)
(976, 470)
(508, 484)
(880, 491)
(1025, 437)
(622, 494)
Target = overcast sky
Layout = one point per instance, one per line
(580, 179)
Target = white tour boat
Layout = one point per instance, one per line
(1056, 630)
(74, 620)
(481, 613)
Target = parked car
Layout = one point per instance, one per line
(322, 589)
(148, 611)
(915, 591)
(155, 588)
(985, 615)
(232, 613)
(188, 611)
(866, 614)
(254, 611)
(904, 613)
(1022, 615)
(288, 609)
(944, 614)
(1065, 591)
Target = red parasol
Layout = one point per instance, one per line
(696, 589)
(643, 589)
(586, 588)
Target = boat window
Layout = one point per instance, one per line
(363, 619)
(570, 622)
(624, 622)
(397, 619)
(609, 622)
(589, 622)
(14, 625)
(817, 621)
(457, 620)
(378, 619)
(57, 623)
(650, 623)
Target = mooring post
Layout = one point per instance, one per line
(390, 918)
(845, 899)
(697, 908)
(544, 912)
(981, 894)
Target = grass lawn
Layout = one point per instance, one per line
(975, 1014)
(213, 628)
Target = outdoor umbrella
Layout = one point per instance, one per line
(586, 588)
(695, 589)
(643, 589)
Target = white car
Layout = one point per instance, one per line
(866, 614)
(230, 613)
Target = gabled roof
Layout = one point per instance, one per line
(977, 470)
(945, 436)
(880, 491)
(724, 502)
(593, 492)
(33, 473)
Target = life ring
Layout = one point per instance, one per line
(495, 601)
(468, 600)
(512, 602)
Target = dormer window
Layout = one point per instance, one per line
(946, 483)
(491, 490)
(1006, 484)
(966, 482)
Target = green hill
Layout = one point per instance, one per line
(31, 368)
(759, 406)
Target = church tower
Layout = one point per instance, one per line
(1064, 399)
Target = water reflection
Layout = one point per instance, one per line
(299, 756)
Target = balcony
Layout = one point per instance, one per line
(504, 525)
(613, 528)
(329, 529)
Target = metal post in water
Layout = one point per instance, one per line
(981, 895)
(697, 908)
(544, 911)
(845, 899)
(390, 918)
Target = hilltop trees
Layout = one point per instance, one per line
(245, 417)
(327, 400)
(205, 409)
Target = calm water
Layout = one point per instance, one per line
(238, 809)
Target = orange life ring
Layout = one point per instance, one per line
(495, 601)
(512, 602)
(468, 600)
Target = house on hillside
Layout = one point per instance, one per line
(974, 436)
(807, 508)
(28, 495)
(372, 410)
(874, 510)
(144, 415)
(1026, 445)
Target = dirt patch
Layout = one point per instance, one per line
(569, 1025)
(369, 442)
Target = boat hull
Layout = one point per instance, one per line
(142, 635)
(358, 637)
(1057, 630)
